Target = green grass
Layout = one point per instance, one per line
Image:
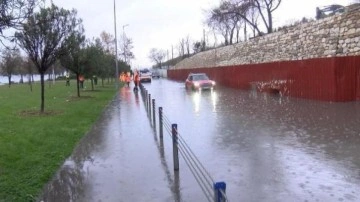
(34, 146)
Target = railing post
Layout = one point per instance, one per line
(161, 122)
(219, 190)
(142, 90)
(149, 107)
(175, 146)
(145, 99)
(153, 113)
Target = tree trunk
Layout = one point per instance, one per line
(42, 106)
(78, 84)
(9, 78)
(92, 84)
(232, 35)
(30, 84)
(245, 33)
(237, 35)
(270, 28)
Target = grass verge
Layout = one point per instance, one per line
(34, 145)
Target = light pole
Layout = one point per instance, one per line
(124, 41)
(116, 51)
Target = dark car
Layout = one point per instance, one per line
(155, 74)
(199, 81)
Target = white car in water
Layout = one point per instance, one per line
(145, 75)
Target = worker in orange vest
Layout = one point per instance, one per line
(81, 79)
(127, 78)
(136, 80)
(121, 77)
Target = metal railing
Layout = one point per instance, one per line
(213, 191)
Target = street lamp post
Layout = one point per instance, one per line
(116, 51)
(124, 41)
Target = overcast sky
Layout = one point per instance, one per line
(162, 23)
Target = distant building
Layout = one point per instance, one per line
(326, 11)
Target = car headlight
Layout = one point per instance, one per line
(213, 83)
(196, 84)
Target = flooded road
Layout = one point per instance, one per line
(266, 148)
(269, 148)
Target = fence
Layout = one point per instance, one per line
(213, 191)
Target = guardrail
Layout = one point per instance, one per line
(213, 191)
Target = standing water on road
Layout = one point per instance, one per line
(266, 148)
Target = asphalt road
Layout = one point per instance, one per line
(265, 147)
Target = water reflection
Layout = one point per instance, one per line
(196, 100)
(198, 96)
(214, 99)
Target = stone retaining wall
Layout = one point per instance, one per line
(334, 36)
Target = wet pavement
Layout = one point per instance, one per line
(265, 147)
(117, 160)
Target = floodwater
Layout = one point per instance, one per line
(4, 80)
(264, 147)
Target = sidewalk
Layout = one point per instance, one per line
(118, 160)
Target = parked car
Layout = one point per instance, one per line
(145, 75)
(199, 81)
(155, 74)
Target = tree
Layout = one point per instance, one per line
(12, 61)
(108, 42)
(265, 9)
(157, 56)
(187, 45)
(73, 59)
(126, 49)
(30, 70)
(44, 37)
(94, 60)
(219, 22)
(248, 10)
(13, 13)
(181, 48)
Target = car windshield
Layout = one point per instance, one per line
(198, 77)
(144, 71)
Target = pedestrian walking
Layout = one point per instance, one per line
(136, 81)
(128, 79)
(67, 79)
(81, 80)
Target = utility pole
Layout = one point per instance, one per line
(116, 50)
(172, 52)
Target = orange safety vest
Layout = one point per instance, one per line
(122, 77)
(128, 79)
(137, 78)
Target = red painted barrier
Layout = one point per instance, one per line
(330, 79)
